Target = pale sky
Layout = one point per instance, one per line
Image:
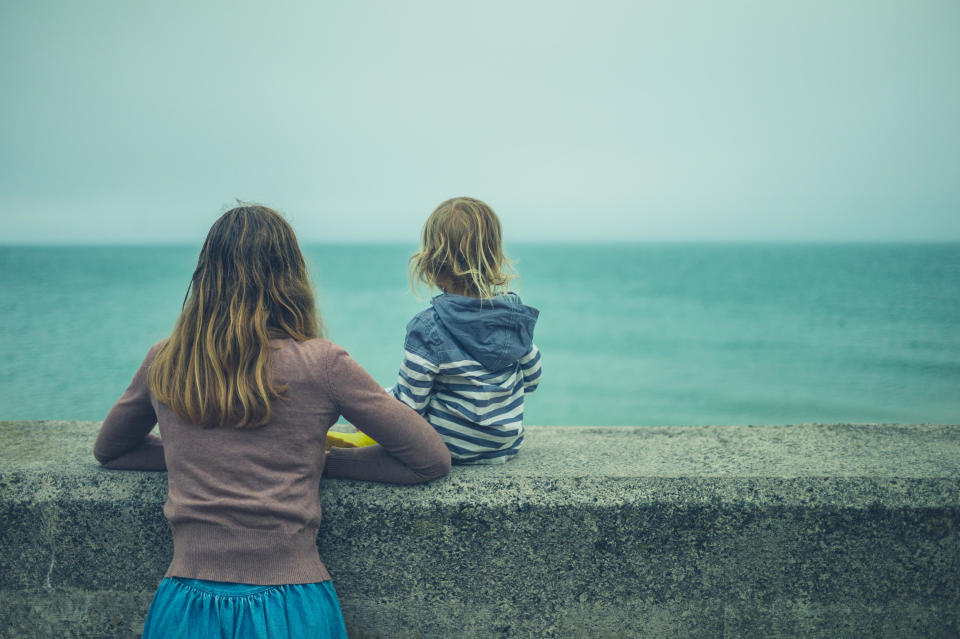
(139, 122)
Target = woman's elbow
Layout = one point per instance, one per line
(439, 468)
(101, 456)
(444, 468)
(103, 452)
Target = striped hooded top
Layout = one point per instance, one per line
(467, 365)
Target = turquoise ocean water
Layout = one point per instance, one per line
(638, 334)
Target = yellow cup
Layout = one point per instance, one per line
(348, 440)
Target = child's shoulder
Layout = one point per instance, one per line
(424, 322)
(423, 332)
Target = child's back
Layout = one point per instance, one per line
(467, 365)
(469, 359)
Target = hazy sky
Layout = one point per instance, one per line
(591, 120)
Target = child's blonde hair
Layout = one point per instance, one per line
(461, 246)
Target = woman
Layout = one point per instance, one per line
(243, 391)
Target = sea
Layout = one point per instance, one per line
(630, 334)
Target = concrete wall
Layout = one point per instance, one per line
(791, 531)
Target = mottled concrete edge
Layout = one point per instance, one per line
(805, 450)
(659, 532)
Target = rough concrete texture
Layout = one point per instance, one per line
(752, 531)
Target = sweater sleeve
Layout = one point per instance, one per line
(415, 381)
(124, 441)
(409, 450)
(530, 366)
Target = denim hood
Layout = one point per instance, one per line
(495, 332)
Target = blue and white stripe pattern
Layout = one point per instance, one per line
(478, 413)
(466, 371)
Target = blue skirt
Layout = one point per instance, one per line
(194, 608)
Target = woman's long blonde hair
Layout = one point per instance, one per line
(250, 285)
(461, 244)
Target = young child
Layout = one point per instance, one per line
(469, 358)
(244, 391)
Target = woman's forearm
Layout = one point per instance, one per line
(148, 455)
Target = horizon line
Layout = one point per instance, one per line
(528, 242)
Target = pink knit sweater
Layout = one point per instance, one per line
(243, 504)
